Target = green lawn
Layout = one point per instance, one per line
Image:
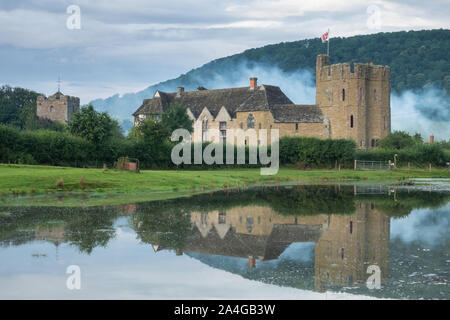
(23, 181)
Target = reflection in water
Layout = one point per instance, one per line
(310, 237)
(345, 245)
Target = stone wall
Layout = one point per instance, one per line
(57, 107)
(356, 102)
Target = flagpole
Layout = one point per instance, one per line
(328, 44)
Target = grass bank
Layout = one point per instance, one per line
(38, 184)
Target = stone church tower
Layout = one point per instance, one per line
(355, 100)
(57, 107)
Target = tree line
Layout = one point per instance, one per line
(94, 139)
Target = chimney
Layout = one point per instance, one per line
(180, 91)
(251, 262)
(253, 83)
(432, 138)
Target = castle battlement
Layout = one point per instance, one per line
(346, 70)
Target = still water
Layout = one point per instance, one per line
(291, 242)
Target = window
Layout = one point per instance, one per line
(242, 125)
(343, 94)
(222, 217)
(351, 121)
(342, 253)
(250, 121)
(52, 108)
(205, 130)
(372, 143)
(249, 223)
(296, 127)
(204, 219)
(259, 126)
(374, 94)
(223, 131)
(351, 227)
(360, 95)
(384, 122)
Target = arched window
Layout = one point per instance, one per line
(52, 108)
(351, 121)
(343, 94)
(250, 121)
(372, 143)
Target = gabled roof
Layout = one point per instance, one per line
(233, 99)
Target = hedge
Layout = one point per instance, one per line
(419, 156)
(62, 149)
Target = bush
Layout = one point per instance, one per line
(315, 152)
(399, 140)
(420, 155)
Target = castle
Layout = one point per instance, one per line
(352, 102)
(57, 107)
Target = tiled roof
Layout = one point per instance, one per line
(297, 113)
(233, 99)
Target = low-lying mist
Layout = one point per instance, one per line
(425, 112)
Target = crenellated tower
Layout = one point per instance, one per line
(355, 100)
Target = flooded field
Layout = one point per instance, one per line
(286, 242)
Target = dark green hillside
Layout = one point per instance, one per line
(418, 59)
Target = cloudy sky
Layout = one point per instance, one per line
(127, 45)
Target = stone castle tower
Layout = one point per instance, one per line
(355, 100)
(57, 107)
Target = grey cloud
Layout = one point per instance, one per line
(151, 41)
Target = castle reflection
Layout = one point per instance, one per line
(344, 244)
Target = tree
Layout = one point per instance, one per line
(399, 140)
(176, 117)
(152, 132)
(16, 104)
(97, 127)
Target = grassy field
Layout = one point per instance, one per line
(114, 187)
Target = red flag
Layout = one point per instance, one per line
(325, 37)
